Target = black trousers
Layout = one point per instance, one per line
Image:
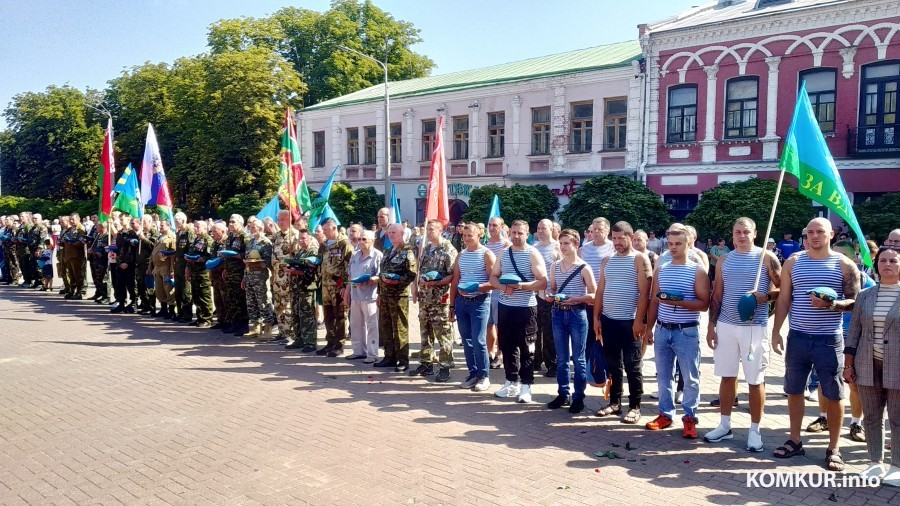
(123, 284)
(516, 333)
(623, 354)
(544, 346)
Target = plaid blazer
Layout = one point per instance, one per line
(861, 338)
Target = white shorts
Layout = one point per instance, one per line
(735, 345)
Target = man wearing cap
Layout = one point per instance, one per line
(362, 293)
(816, 337)
(398, 271)
(738, 327)
(335, 254)
(304, 282)
(163, 267)
(201, 287)
(258, 261)
(438, 256)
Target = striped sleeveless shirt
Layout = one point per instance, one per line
(472, 268)
(594, 255)
(738, 271)
(620, 293)
(575, 287)
(519, 298)
(806, 275)
(681, 278)
(547, 252)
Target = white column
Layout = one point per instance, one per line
(709, 138)
(770, 141)
(474, 144)
(559, 130)
(516, 103)
(409, 135)
(336, 131)
(379, 142)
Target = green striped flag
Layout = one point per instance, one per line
(806, 156)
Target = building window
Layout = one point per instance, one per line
(353, 146)
(615, 121)
(741, 106)
(581, 126)
(540, 131)
(460, 137)
(496, 133)
(429, 127)
(370, 144)
(682, 125)
(319, 149)
(820, 88)
(878, 119)
(396, 143)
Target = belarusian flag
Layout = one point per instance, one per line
(292, 189)
(106, 174)
(806, 156)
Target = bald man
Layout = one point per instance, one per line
(893, 238)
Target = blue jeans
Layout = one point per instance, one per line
(570, 327)
(472, 320)
(684, 345)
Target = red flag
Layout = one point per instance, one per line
(437, 207)
(105, 175)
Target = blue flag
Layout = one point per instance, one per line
(128, 200)
(395, 206)
(319, 204)
(270, 210)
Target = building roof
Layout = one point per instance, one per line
(720, 11)
(583, 60)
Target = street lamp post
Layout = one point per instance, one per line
(387, 122)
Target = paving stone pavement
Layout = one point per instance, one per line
(120, 409)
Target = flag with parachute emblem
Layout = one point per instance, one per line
(128, 200)
(154, 186)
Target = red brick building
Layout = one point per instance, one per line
(723, 81)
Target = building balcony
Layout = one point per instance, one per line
(874, 141)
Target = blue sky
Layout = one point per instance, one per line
(85, 43)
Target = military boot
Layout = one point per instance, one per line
(254, 331)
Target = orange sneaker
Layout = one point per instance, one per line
(690, 428)
(661, 422)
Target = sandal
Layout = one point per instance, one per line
(611, 409)
(790, 449)
(834, 461)
(634, 414)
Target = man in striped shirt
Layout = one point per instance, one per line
(816, 338)
(517, 311)
(620, 306)
(496, 243)
(544, 348)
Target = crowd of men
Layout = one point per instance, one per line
(522, 302)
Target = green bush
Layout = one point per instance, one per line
(49, 209)
(244, 204)
(531, 203)
(878, 216)
(616, 198)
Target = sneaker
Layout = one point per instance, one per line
(309, 348)
(679, 396)
(874, 470)
(857, 433)
(819, 425)
(654, 395)
(423, 370)
(716, 403)
(443, 375)
(690, 427)
(370, 360)
(509, 389)
(336, 352)
(482, 385)
(754, 441)
(497, 362)
(661, 422)
(469, 382)
(293, 345)
(718, 434)
(561, 401)
(355, 356)
(811, 395)
(524, 394)
(204, 325)
(324, 351)
(576, 407)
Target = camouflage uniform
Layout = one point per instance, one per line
(12, 260)
(73, 257)
(36, 238)
(22, 253)
(303, 297)
(99, 264)
(284, 247)
(201, 286)
(393, 314)
(146, 295)
(236, 298)
(335, 273)
(218, 284)
(434, 321)
(163, 267)
(61, 269)
(256, 275)
(183, 242)
(127, 242)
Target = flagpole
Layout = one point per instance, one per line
(768, 229)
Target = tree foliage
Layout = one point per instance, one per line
(243, 204)
(531, 203)
(309, 40)
(354, 205)
(47, 208)
(878, 216)
(616, 198)
(720, 206)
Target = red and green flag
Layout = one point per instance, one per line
(292, 190)
(106, 175)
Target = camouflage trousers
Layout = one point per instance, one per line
(162, 290)
(235, 297)
(436, 331)
(98, 275)
(218, 290)
(12, 262)
(182, 291)
(201, 296)
(146, 294)
(303, 315)
(281, 298)
(335, 319)
(259, 308)
(393, 328)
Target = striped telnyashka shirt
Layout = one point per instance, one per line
(808, 274)
(594, 256)
(620, 291)
(472, 268)
(681, 278)
(738, 271)
(519, 298)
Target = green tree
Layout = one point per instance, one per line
(355, 205)
(55, 143)
(310, 39)
(243, 204)
(720, 206)
(878, 216)
(531, 203)
(616, 198)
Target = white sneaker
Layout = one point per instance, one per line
(872, 471)
(509, 389)
(718, 434)
(482, 385)
(469, 382)
(679, 396)
(525, 394)
(754, 441)
(370, 360)
(892, 478)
